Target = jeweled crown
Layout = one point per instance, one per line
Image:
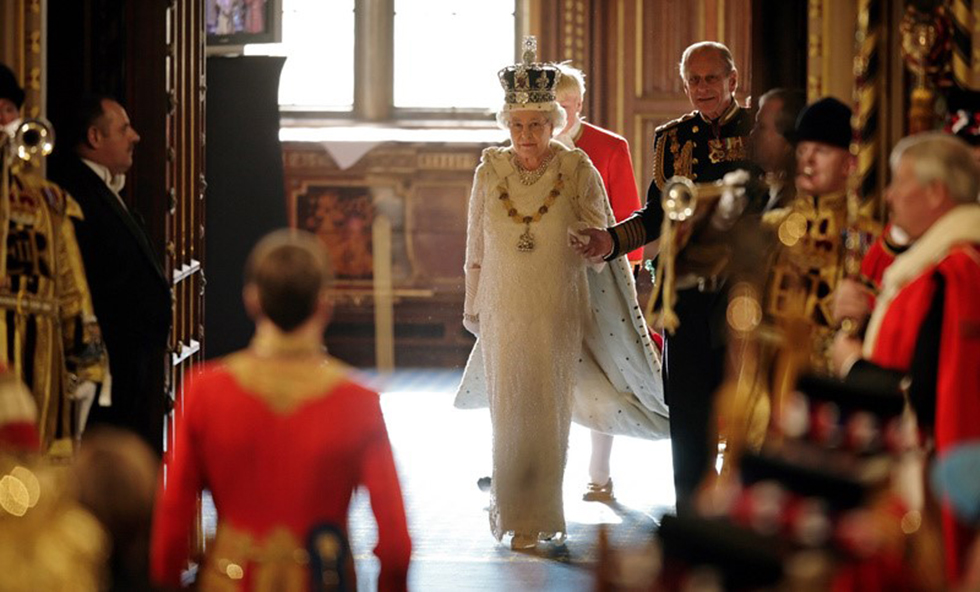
(529, 82)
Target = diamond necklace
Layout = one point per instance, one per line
(530, 177)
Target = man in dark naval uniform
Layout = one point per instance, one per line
(703, 146)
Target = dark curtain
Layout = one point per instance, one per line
(245, 196)
(779, 50)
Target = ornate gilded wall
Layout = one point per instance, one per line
(22, 48)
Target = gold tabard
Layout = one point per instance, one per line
(807, 266)
(48, 333)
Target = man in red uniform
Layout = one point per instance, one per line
(610, 154)
(281, 435)
(926, 321)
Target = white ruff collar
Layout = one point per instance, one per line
(959, 225)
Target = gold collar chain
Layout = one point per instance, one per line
(526, 241)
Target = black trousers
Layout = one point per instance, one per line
(138, 396)
(695, 365)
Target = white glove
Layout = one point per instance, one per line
(578, 240)
(732, 202)
(11, 128)
(84, 395)
(471, 312)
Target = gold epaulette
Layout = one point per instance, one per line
(659, 150)
(630, 235)
(673, 122)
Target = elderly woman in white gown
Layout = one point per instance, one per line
(529, 300)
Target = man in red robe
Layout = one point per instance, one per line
(926, 320)
(282, 436)
(610, 154)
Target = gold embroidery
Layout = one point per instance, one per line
(45, 295)
(278, 563)
(667, 133)
(286, 383)
(683, 160)
(730, 113)
(658, 163)
(631, 234)
(807, 267)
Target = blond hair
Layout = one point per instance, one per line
(572, 80)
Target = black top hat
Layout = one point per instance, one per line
(826, 120)
(9, 89)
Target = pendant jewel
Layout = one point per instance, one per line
(526, 243)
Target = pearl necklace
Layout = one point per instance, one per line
(530, 177)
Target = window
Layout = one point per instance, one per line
(318, 43)
(447, 52)
(416, 59)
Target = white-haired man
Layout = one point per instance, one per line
(926, 320)
(703, 146)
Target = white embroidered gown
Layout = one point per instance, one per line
(532, 306)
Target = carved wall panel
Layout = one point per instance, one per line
(423, 190)
(830, 48)
(641, 46)
(434, 217)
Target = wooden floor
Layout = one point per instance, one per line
(442, 451)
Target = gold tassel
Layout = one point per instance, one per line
(663, 283)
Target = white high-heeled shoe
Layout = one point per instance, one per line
(599, 493)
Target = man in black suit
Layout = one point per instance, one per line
(130, 291)
(772, 143)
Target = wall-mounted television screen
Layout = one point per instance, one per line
(238, 22)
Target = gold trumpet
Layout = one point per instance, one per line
(681, 196)
(681, 199)
(33, 140)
